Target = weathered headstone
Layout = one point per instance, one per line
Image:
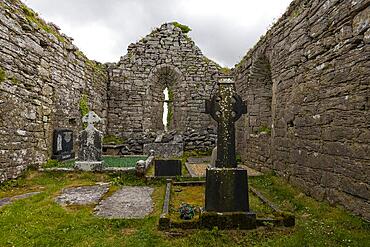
(227, 201)
(167, 168)
(62, 144)
(90, 153)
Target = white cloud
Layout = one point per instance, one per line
(224, 30)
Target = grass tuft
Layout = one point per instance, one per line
(184, 28)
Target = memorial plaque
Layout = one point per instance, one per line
(63, 144)
(167, 168)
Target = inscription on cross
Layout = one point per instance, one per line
(226, 107)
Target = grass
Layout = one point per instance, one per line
(194, 195)
(39, 221)
(109, 161)
(129, 161)
(31, 16)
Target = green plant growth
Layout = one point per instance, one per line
(264, 129)
(129, 161)
(39, 221)
(14, 80)
(31, 16)
(58, 164)
(109, 161)
(84, 105)
(112, 139)
(225, 71)
(2, 75)
(184, 28)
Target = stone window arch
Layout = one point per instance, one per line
(166, 76)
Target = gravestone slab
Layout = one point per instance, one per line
(62, 144)
(127, 203)
(167, 168)
(83, 195)
(9, 200)
(165, 150)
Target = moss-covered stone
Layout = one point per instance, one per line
(31, 16)
(184, 28)
(2, 75)
(264, 129)
(84, 105)
(112, 139)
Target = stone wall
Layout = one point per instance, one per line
(167, 57)
(307, 86)
(199, 140)
(43, 77)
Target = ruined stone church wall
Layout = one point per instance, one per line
(307, 86)
(43, 78)
(166, 57)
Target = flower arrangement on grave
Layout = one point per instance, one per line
(187, 211)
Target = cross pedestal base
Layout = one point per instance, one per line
(227, 201)
(226, 190)
(228, 220)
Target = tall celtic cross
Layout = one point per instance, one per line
(226, 107)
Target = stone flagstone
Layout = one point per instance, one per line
(127, 203)
(82, 195)
(8, 200)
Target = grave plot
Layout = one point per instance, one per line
(184, 203)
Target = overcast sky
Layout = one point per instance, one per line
(223, 29)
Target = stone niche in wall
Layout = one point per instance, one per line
(254, 131)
